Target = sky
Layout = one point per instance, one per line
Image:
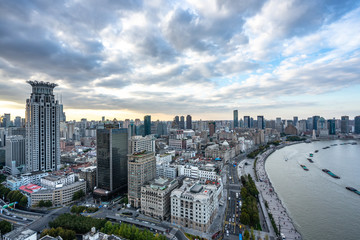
(129, 58)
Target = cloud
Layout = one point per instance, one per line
(188, 56)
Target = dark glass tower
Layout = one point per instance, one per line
(315, 120)
(246, 121)
(112, 150)
(344, 124)
(236, 119)
(147, 125)
(332, 126)
(188, 122)
(357, 124)
(182, 122)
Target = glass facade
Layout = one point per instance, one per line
(112, 147)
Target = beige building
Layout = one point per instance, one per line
(155, 197)
(58, 196)
(194, 205)
(141, 170)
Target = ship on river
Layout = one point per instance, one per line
(330, 173)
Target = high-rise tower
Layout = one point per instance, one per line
(188, 122)
(42, 128)
(147, 125)
(236, 119)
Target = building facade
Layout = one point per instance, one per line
(42, 128)
(112, 149)
(155, 197)
(141, 169)
(236, 119)
(15, 154)
(345, 124)
(147, 125)
(58, 196)
(357, 124)
(139, 143)
(194, 205)
(188, 122)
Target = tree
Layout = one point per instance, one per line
(252, 233)
(5, 227)
(246, 235)
(23, 201)
(78, 195)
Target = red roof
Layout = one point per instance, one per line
(30, 188)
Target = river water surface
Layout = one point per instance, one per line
(320, 205)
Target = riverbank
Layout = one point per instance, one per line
(274, 205)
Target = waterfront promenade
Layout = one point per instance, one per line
(275, 205)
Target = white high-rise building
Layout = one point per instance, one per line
(42, 128)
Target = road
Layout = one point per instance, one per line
(232, 224)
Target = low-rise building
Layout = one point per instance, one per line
(194, 205)
(21, 233)
(58, 196)
(207, 171)
(155, 197)
(89, 175)
(55, 181)
(14, 183)
(165, 170)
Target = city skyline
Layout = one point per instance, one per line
(203, 59)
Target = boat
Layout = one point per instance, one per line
(353, 190)
(326, 147)
(330, 173)
(316, 151)
(310, 160)
(311, 155)
(304, 167)
(354, 143)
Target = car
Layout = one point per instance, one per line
(283, 236)
(227, 233)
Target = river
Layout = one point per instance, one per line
(319, 205)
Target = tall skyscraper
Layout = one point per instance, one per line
(344, 124)
(182, 122)
(357, 124)
(188, 122)
(112, 150)
(260, 122)
(17, 122)
(42, 128)
(295, 121)
(236, 119)
(332, 126)
(6, 120)
(147, 125)
(212, 127)
(62, 113)
(141, 169)
(246, 121)
(315, 121)
(177, 122)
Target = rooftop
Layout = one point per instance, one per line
(20, 233)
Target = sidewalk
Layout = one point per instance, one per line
(280, 215)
